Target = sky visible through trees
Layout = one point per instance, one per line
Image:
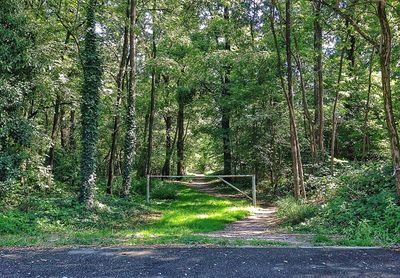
(95, 95)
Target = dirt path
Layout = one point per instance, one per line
(262, 224)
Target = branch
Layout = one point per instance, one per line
(363, 34)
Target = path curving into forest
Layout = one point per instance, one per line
(262, 224)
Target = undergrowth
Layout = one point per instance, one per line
(361, 210)
(175, 214)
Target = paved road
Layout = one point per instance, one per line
(199, 262)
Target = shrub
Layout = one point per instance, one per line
(293, 212)
(364, 206)
(158, 189)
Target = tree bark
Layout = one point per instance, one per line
(130, 139)
(385, 59)
(367, 108)
(152, 102)
(56, 118)
(309, 125)
(116, 118)
(71, 134)
(298, 180)
(181, 133)
(225, 120)
(334, 115)
(169, 145)
(92, 72)
(318, 79)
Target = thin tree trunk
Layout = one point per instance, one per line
(385, 59)
(152, 102)
(56, 118)
(309, 125)
(142, 168)
(225, 120)
(130, 139)
(297, 166)
(334, 114)
(71, 135)
(318, 79)
(367, 108)
(116, 118)
(63, 128)
(166, 170)
(181, 132)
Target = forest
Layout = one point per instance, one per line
(97, 94)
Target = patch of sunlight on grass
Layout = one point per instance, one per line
(194, 212)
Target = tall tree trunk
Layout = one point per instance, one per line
(142, 167)
(180, 169)
(71, 133)
(334, 114)
(225, 120)
(130, 139)
(318, 80)
(367, 108)
(56, 119)
(296, 155)
(166, 170)
(298, 180)
(309, 122)
(116, 118)
(63, 128)
(385, 59)
(92, 72)
(152, 101)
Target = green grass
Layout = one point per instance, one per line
(360, 210)
(62, 221)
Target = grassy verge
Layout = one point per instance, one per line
(360, 210)
(60, 220)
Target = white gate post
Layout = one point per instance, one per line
(253, 189)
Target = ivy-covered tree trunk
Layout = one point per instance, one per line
(130, 139)
(92, 74)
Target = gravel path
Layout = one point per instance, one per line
(262, 224)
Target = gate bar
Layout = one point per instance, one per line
(253, 183)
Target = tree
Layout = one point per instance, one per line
(92, 73)
(17, 71)
(318, 79)
(297, 165)
(130, 138)
(385, 46)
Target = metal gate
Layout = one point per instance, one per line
(222, 178)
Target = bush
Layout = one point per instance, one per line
(364, 206)
(164, 190)
(293, 212)
(360, 205)
(158, 190)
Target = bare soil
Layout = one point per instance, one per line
(262, 224)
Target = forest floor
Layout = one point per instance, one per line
(262, 224)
